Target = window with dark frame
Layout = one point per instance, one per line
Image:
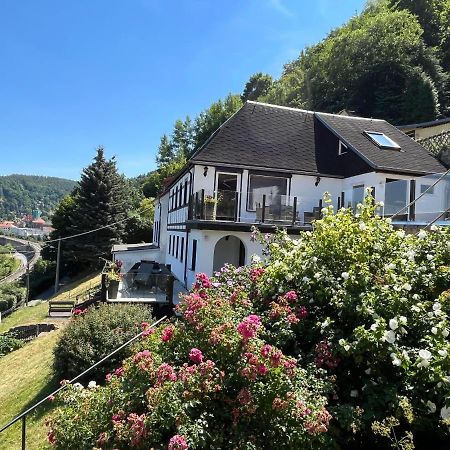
(259, 185)
(180, 200)
(424, 187)
(170, 245)
(194, 254)
(176, 248)
(182, 249)
(185, 192)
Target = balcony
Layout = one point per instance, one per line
(231, 206)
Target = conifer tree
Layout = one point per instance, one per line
(101, 199)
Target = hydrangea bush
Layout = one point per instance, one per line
(336, 339)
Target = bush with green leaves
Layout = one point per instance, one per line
(93, 334)
(10, 295)
(9, 344)
(350, 320)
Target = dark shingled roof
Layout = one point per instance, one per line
(412, 158)
(280, 138)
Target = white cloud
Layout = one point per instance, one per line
(280, 7)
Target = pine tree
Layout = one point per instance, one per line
(101, 199)
(165, 151)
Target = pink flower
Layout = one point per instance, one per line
(291, 296)
(196, 355)
(119, 372)
(256, 273)
(167, 333)
(262, 369)
(51, 398)
(244, 396)
(202, 281)
(142, 355)
(249, 327)
(148, 332)
(165, 372)
(177, 442)
(265, 350)
(301, 312)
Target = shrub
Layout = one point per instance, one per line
(10, 295)
(9, 344)
(92, 335)
(352, 317)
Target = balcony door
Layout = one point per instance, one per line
(226, 196)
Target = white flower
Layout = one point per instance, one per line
(393, 324)
(362, 226)
(374, 326)
(445, 412)
(355, 393)
(381, 204)
(422, 234)
(368, 371)
(401, 233)
(345, 275)
(390, 266)
(78, 386)
(395, 360)
(429, 257)
(443, 352)
(256, 259)
(289, 276)
(403, 320)
(425, 357)
(436, 306)
(314, 259)
(92, 384)
(431, 407)
(434, 330)
(407, 287)
(342, 342)
(445, 332)
(415, 308)
(389, 336)
(433, 227)
(305, 280)
(347, 347)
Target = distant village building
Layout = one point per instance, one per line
(424, 130)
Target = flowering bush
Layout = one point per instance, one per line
(336, 339)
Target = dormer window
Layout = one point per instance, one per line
(382, 140)
(342, 148)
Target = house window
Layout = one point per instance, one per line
(182, 249)
(342, 148)
(424, 187)
(382, 140)
(170, 245)
(395, 196)
(180, 199)
(272, 187)
(194, 254)
(185, 192)
(357, 195)
(176, 251)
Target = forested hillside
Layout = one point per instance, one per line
(20, 194)
(391, 61)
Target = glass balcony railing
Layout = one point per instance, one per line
(235, 207)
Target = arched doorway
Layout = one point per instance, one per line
(228, 250)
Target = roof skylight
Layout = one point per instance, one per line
(382, 140)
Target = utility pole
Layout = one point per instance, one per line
(28, 283)
(58, 257)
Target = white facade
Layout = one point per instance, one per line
(191, 244)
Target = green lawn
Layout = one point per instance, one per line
(26, 375)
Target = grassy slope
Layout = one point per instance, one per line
(26, 375)
(38, 313)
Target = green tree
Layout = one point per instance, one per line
(101, 200)
(165, 152)
(213, 117)
(183, 138)
(257, 86)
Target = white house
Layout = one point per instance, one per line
(269, 166)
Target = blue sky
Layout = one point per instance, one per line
(80, 73)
